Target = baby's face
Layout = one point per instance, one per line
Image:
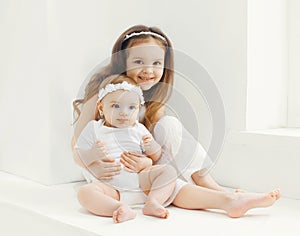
(121, 108)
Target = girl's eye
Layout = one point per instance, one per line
(139, 62)
(115, 105)
(132, 107)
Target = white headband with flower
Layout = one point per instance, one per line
(121, 86)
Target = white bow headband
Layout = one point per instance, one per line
(121, 86)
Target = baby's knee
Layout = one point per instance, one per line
(169, 171)
(86, 191)
(83, 194)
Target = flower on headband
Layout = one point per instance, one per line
(121, 86)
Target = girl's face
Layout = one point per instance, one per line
(145, 63)
(120, 108)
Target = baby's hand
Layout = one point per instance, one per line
(147, 140)
(99, 149)
(151, 147)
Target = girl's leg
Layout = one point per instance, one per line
(158, 182)
(183, 152)
(103, 200)
(234, 204)
(206, 181)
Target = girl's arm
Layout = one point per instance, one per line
(93, 155)
(87, 114)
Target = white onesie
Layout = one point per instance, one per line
(116, 141)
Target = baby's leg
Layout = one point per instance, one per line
(158, 182)
(103, 200)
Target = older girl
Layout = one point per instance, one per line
(145, 54)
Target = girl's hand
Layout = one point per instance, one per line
(105, 168)
(135, 162)
(96, 161)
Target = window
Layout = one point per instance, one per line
(273, 76)
(293, 9)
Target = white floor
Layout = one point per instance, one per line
(29, 208)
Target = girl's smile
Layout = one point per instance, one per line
(145, 63)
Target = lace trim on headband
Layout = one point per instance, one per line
(122, 86)
(128, 36)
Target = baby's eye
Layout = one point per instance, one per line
(139, 62)
(115, 105)
(132, 107)
(157, 63)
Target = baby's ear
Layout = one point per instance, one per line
(100, 109)
(99, 105)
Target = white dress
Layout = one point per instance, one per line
(179, 148)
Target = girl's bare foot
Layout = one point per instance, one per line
(123, 213)
(243, 202)
(153, 208)
(239, 191)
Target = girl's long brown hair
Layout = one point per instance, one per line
(155, 97)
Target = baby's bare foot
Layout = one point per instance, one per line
(243, 202)
(123, 213)
(153, 208)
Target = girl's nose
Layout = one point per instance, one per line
(148, 70)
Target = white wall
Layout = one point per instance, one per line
(27, 92)
(267, 64)
(24, 93)
(48, 47)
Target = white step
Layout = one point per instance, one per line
(261, 160)
(31, 209)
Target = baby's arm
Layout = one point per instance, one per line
(151, 147)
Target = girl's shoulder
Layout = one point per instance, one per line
(142, 128)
